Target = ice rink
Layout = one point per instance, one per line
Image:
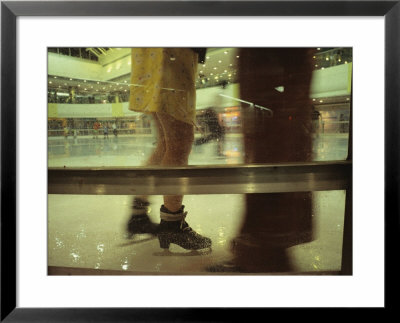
(86, 232)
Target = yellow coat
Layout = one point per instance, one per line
(163, 80)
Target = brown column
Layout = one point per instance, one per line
(274, 222)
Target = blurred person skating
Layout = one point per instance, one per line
(163, 86)
(213, 130)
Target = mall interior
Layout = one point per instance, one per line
(92, 131)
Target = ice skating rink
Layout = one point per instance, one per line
(86, 232)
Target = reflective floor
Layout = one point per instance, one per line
(87, 232)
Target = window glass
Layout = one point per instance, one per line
(90, 123)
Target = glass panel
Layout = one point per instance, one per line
(88, 232)
(89, 89)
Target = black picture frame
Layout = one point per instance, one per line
(10, 10)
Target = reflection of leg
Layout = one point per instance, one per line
(275, 222)
(140, 221)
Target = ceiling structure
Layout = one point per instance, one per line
(220, 67)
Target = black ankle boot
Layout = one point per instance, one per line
(179, 232)
(140, 222)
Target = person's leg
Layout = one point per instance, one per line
(173, 228)
(179, 138)
(158, 154)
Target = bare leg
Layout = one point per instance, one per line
(179, 138)
(158, 154)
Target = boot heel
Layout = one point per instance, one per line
(164, 243)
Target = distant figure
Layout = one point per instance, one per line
(114, 128)
(214, 130)
(96, 127)
(66, 131)
(105, 130)
(316, 120)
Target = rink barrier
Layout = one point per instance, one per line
(220, 179)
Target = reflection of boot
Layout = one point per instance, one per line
(174, 229)
(140, 222)
(252, 257)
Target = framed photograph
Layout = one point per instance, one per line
(74, 141)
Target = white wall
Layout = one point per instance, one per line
(73, 67)
(209, 97)
(331, 81)
(89, 110)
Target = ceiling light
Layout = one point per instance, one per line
(219, 61)
(225, 52)
(55, 77)
(237, 56)
(98, 82)
(50, 82)
(84, 81)
(215, 68)
(208, 57)
(70, 79)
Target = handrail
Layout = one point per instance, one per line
(218, 179)
(271, 113)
